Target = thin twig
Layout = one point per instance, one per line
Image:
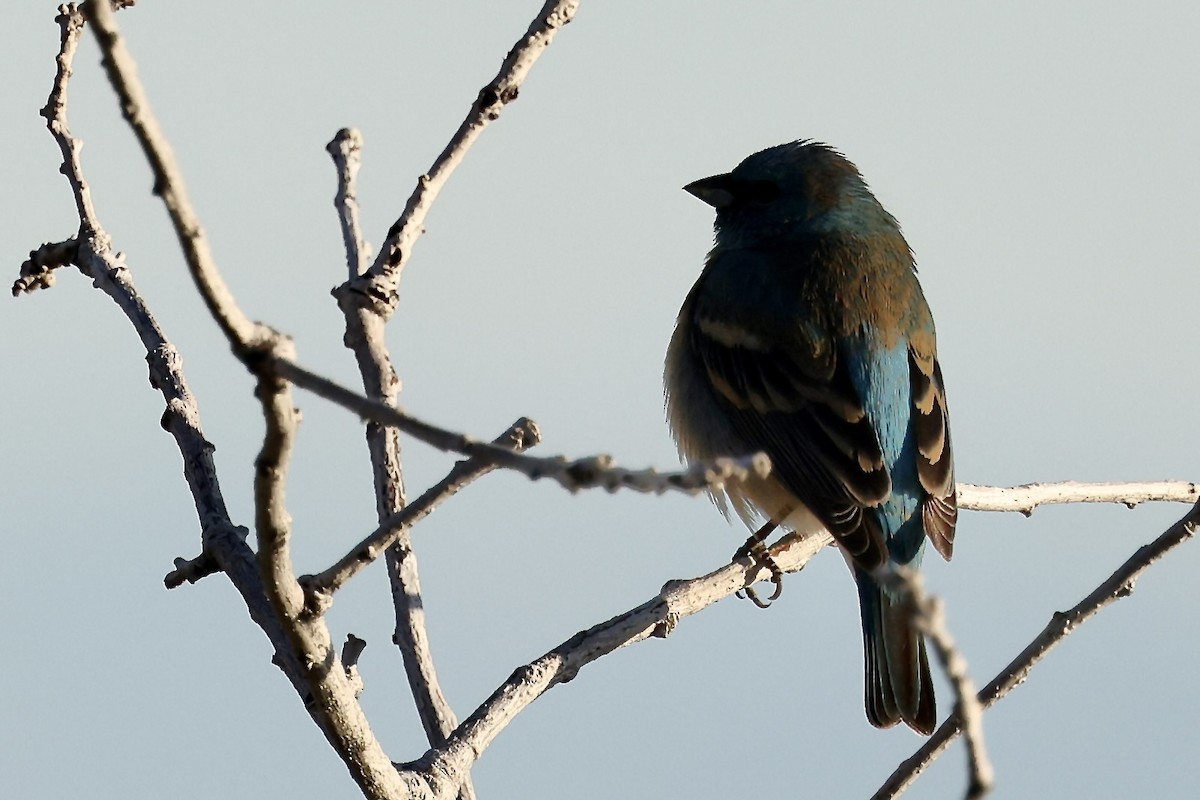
(981, 777)
(365, 321)
(521, 435)
(488, 105)
(346, 151)
(332, 695)
(411, 635)
(168, 180)
(70, 21)
(584, 473)
(224, 543)
(599, 471)
(368, 301)
(1027, 497)
(37, 271)
(657, 617)
(1120, 584)
(930, 616)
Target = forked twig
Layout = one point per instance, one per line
(1120, 584)
(930, 617)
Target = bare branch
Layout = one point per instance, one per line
(930, 617)
(1120, 584)
(981, 777)
(191, 570)
(346, 151)
(521, 434)
(95, 259)
(168, 181)
(37, 271)
(434, 710)
(333, 691)
(365, 320)
(369, 301)
(272, 523)
(487, 107)
(329, 688)
(584, 473)
(1027, 497)
(224, 543)
(70, 22)
(657, 617)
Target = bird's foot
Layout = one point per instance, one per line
(755, 548)
(768, 561)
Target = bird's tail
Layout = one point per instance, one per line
(898, 684)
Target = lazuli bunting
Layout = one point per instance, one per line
(807, 337)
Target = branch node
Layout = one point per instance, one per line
(37, 272)
(668, 624)
(369, 293)
(190, 570)
(203, 565)
(318, 598)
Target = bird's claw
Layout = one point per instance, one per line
(755, 549)
(768, 561)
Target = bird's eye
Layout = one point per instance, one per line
(758, 191)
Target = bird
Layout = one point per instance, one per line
(807, 337)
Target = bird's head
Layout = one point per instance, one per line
(801, 188)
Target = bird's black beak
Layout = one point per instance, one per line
(718, 191)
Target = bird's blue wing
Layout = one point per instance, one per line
(799, 395)
(796, 401)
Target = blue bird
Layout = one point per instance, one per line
(807, 337)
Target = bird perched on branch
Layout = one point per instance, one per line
(807, 337)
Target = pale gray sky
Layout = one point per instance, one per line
(1041, 158)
